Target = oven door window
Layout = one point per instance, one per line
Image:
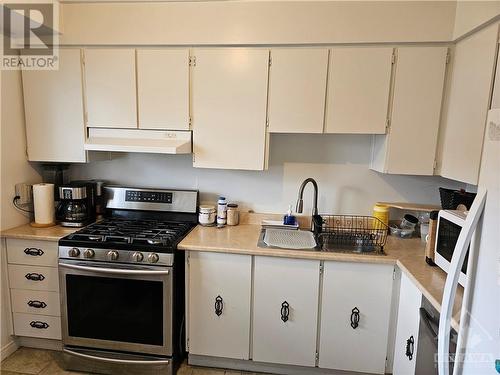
(447, 239)
(123, 310)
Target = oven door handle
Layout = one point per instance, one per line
(116, 271)
(120, 361)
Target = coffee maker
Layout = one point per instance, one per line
(77, 204)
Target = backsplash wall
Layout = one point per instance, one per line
(339, 163)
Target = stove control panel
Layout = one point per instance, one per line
(148, 196)
(116, 256)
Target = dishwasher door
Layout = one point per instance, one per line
(426, 362)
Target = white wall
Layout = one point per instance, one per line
(14, 169)
(256, 22)
(471, 14)
(338, 162)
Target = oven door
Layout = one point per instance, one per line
(116, 307)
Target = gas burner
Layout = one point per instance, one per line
(135, 234)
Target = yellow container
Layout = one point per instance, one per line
(381, 212)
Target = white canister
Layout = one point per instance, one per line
(207, 215)
(221, 211)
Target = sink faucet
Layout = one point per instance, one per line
(300, 202)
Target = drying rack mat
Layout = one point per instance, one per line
(289, 239)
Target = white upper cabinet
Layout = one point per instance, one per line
(410, 145)
(219, 304)
(355, 313)
(467, 107)
(163, 88)
(358, 90)
(53, 106)
(285, 310)
(110, 88)
(229, 103)
(297, 90)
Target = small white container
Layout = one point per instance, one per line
(207, 215)
(221, 211)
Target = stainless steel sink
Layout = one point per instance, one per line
(323, 244)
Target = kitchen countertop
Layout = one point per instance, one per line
(407, 254)
(27, 232)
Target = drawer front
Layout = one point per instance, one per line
(31, 325)
(37, 302)
(33, 278)
(32, 252)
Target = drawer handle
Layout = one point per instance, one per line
(285, 311)
(355, 318)
(219, 305)
(37, 304)
(39, 325)
(35, 276)
(410, 347)
(33, 251)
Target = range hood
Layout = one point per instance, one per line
(139, 140)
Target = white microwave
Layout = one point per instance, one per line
(450, 223)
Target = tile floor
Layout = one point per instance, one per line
(28, 361)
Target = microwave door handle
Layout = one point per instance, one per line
(450, 287)
(115, 271)
(115, 360)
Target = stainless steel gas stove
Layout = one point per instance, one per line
(122, 284)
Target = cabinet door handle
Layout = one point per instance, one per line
(219, 305)
(410, 347)
(35, 276)
(285, 311)
(355, 318)
(39, 325)
(33, 251)
(37, 304)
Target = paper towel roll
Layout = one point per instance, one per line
(43, 202)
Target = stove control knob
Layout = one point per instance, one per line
(137, 256)
(89, 253)
(74, 252)
(153, 258)
(112, 255)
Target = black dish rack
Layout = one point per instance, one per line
(350, 232)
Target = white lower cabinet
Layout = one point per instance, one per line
(41, 326)
(37, 302)
(219, 304)
(405, 351)
(285, 310)
(355, 313)
(34, 288)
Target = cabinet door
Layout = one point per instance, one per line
(53, 106)
(285, 313)
(355, 293)
(416, 111)
(219, 304)
(297, 90)
(471, 82)
(163, 88)
(410, 299)
(229, 108)
(358, 90)
(110, 88)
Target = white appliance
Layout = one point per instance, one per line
(449, 227)
(478, 346)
